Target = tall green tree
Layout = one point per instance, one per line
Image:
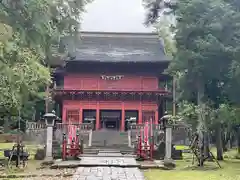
(207, 41)
(165, 28)
(32, 40)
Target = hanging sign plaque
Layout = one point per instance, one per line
(116, 77)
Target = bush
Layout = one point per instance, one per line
(1, 130)
(237, 156)
(40, 154)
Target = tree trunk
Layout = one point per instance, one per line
(47, 99)
(224, 142)
(219, 142)
(231, 140)
(201, 122)
(238, 139)
(6, 123)
(206, 144)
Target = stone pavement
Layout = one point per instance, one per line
(107, 173)
(104, 166)
(108, 168)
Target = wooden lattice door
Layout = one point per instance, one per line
(72, 116)
(148, 116)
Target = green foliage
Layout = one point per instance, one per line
(164, 27)
(225, 114)
(207, 43)
(203, 41)
(5, 32)
(21, 73)
(188, 112)
(31, 33)
(157, 7)
(207, 62)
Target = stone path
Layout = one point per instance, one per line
(107, 173)
(108, 168)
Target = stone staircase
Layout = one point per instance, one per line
(109, 140)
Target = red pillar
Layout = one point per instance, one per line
(156, 117)
(123, 118)
(64, 115)
(140, 113)
(97, 117)
(80, 115)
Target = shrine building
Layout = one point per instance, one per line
(115, 73)
(112, 78)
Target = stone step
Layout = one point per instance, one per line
(100, 162)
(108, 155)
(110, 139)
(110, 142)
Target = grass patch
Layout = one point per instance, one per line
(185, 170)
(181, 147)
(32, 164)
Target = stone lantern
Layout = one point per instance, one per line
(50, 121)
(166, 121)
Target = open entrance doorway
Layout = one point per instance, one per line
(131, 116)
(89, 116)
(110, 119)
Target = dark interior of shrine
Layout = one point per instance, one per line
(110, 119)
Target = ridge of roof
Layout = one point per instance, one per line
(119, 34)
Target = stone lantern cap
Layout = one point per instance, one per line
(50, 118)
(166, 119)
(166, 116)
(49, 115)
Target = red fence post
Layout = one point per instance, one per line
(64, 147)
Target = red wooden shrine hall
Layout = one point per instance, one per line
(112, 87)
(113, 112)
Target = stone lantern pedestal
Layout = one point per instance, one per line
(49, 120)
(166, 121)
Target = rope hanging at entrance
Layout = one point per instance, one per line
(88, 104)
(140, 113)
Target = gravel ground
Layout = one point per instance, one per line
(47, 178)
(54, 174)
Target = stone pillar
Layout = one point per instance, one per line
(129, 138)
(168, 140)
(49, 120)
(49, 152)
(90, 138)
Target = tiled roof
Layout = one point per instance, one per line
(118, 47)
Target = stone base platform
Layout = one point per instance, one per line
(122, 162)
(103, 161)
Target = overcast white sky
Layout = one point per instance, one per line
(115, 16)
